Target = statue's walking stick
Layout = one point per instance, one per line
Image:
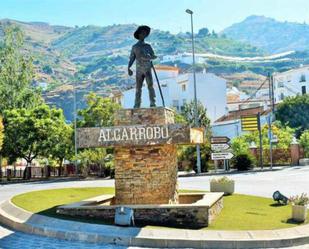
(155, 73)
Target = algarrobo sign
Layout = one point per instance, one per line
(133, 133)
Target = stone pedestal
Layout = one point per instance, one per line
(146, 174)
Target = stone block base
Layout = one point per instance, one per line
(195, 210)
(146, 175)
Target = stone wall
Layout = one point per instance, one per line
(195, 211)
(146, 174)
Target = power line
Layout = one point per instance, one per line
(253, 94)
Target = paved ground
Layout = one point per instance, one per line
(289, 181)
(17, 240)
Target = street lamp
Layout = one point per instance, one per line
(75, 129)
(196, 123)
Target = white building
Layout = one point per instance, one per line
(178, 89)
(291, 83)
(184, 58)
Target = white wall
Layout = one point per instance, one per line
(211, 91)
(289, 83)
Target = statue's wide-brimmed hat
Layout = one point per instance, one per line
(140, 29)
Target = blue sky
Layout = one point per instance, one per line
(162, 14)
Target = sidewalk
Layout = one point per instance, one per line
(231, 171)
(27, 222)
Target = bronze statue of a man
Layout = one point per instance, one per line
(143, 54)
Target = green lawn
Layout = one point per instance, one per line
(240, 212)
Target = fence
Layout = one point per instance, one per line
(37, 172)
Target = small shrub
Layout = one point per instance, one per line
(300, 200)
(223, 179)
(243, 162)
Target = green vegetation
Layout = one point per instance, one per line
(240, 212)
(293, 111)
(45, 201)
(243, 162)
(244, 212)
(187, 154)
(240, 145)
(16, 73)
(304, 142)
(98, 113)
(300, 200)
(32, 133)
(1, 134)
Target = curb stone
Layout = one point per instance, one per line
(27, 222)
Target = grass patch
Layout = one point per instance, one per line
(240, 212)
(246, 212)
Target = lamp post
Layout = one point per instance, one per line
(75, 130)
(196, 123)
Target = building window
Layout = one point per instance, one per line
(281, 96)
(280, 84)
(303, 90)
(302, 78)
(183, 87)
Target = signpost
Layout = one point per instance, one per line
(221, 156)
(219, 145)
(219, 140)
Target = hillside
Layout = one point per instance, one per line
(271, 35)
(95, 58)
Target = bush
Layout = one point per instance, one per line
(304, 141)
(300, 200)
(243, 162)
(223, 179)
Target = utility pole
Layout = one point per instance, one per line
(75, 130)
(270, 133)
(196, 123)
(261, 142)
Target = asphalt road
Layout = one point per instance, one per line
(290, 181)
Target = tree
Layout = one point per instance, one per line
(214, 34)
(99, 112)
(293, 112)
(62, 143)
(1, 134)
(188, 153)
(188, 113)
(30, 133)
(241, 144)
(16, 73)
(203, 32)
(1, 143)
(304, 141)
(88, 157)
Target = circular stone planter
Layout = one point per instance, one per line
(227, 187)
(299, 213)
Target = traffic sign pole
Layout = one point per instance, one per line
(261, 144)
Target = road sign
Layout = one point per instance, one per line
(219, 147)
(219, 140)
(249, 123)
(221, 155)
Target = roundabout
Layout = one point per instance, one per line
(34, 213)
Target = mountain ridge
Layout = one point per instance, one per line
(269, 34)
